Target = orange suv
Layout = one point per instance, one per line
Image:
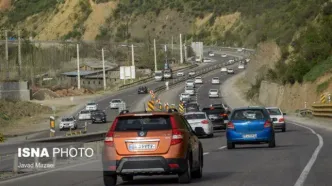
(152, 143)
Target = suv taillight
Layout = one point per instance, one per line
(267, 124)
(109, 140)
(281, 120)
(177, 135)
(223, 115)
(205, 122)
(230, 125)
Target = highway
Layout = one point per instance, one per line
(130, 97)
(246, 165)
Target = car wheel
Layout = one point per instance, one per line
(127, 178)
(283, 129)
(199, 173)
(272, 143)
(185, 177)
(230, 145)
(211, 135)
(110, 180)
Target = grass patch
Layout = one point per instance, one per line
(323, 86)
(254, 89)
(319, 70)
(11, 111)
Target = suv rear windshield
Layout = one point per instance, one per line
(85, 112)
(67, 119)
(138, 123)
(194, 116)
(209, 111)
(116, 101)
(274, 111)
(91, 104)
(248, 114)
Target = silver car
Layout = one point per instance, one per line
(190, 83)
(275, 112)
(214, 93)
(115, 103)
(215, 80)
(190, 91)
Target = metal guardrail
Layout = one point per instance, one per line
(322, 110)
(9, 150)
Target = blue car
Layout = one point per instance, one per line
(250, 125)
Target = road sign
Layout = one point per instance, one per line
(150, 105)
(52, 126)
(181, 107)
(323, 98)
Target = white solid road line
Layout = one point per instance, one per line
(220, 148)
(205, 153)
(300, 181)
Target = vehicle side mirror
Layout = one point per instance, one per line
(274, 119)
(284, 113)
(199, 131)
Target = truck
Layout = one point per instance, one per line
(159, 75)
(168, 73)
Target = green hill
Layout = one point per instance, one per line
(301, 28)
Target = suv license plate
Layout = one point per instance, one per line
(250, 136)
(135, 147)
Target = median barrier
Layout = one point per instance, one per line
(8, 148)
(322, 110)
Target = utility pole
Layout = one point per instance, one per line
(6, 48)
(155, 55)
(172, 47)
(19, 54)
(132, 56)
(181, 55)
(78, 67)
(104, 74)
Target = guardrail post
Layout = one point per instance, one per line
(70, 157)
(15, 166)
(36, 162)
(54, 158)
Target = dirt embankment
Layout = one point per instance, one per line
(5, 5)
(287, 97)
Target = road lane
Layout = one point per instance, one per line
(129, 96)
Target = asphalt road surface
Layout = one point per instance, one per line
(247, 165)
(130, 97)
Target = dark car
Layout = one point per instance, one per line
(186, 100)
(142, 90)
(191, 107)
(218, 116)
(98, 117)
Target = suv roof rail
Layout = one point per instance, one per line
(171, 110)
(124, 112)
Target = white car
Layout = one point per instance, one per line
(211, 54)
(240, 49)
(224, 69)
(84, 115)
(200, 119)
(207, 60)
(240, 67)
(280, 123)
(184, 96)
(115, 103)
(198, 80)
(247, 60)
(192, 73)
(68, 123)
(231, 61)
(91, 106)
(190, 83)
(179, 74)
(230, 71)
(190, 91)
(213, 93)
(215, 80)
(223, 55)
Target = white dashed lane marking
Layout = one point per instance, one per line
(205, 153)
(220, 148)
